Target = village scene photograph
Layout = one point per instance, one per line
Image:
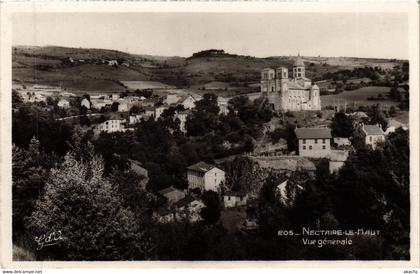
(210, 136)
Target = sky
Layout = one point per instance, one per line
(381, 35)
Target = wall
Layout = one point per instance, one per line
(213, 179)
(314, 148)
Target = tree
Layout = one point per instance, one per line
(81, 203)
(114, 106)
(211, 213)
(342, 125)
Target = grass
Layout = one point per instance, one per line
(22, 254)
(359, 97)
(133, 85)
(231, 218)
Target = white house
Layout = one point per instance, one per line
(123, 106)
(182, 117)
(135, 119)
(113, 63)
(314, 142)
(205, 177)
(115, 96)
(222, 103)
(100, 103)
(189, 101)
(372, 135)
(159, 110)
(234, 199)
(111, 126)
(63, 103)
(85, 103)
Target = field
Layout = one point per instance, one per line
(358, 97)
(133, 85)
(48, 65)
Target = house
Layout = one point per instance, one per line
(111, 126)
(314, 142)
(342, 141)
(151, 102)
(123, 106)
(172, 194)
(337, 158)
(189, 208)
(85, 103)
(222, 103)
(149, 112)
(100, 103)
(115, 96)
(63, 103)
(393, 125)
(135, 119)
(172, 99)
(234, 199)
(136, 167)
(159, 110)
(189, 101)
(205, 177)
(182, 117)
(112, 63)
(372, 135)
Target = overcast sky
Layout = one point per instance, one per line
(382, 35)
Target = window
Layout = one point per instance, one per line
(310, 147)
(228, 198)
(304, 147)
(323, 147)
(316, 141)
(370, 138)
(323, 141)
(304, 141)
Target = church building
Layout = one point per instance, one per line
(286, 94)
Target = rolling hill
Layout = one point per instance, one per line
(84, 70)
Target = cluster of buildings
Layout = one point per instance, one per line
(40, 93)
(150, 107)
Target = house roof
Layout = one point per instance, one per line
(313, 133)
(168, 190)
(201, 167)
(373, 130)
(185, 201)
(240, 193)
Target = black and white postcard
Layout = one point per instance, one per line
(212, 135)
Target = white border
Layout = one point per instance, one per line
(351, 6)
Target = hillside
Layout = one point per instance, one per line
(82, 70)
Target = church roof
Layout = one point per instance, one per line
(298, 62)
(294, 85)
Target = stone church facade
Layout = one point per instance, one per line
(293, 94)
